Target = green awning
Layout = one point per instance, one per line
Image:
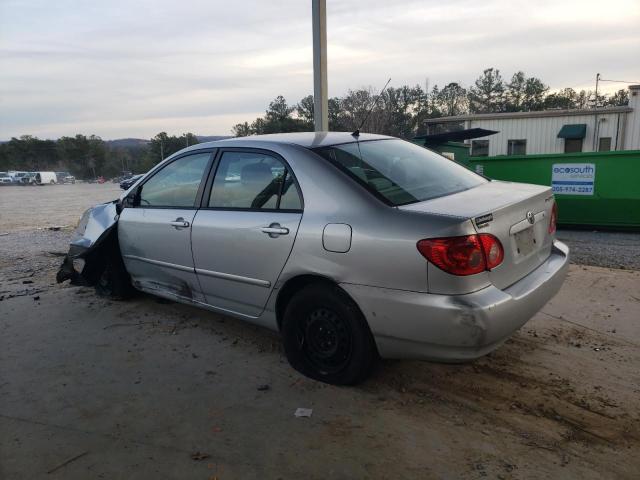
(578, 130)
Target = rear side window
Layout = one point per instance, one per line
(400, 172)
(255, 181)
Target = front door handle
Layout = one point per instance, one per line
(275, 230)
(179, 223)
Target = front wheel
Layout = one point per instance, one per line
(113, 280)
(326, 337)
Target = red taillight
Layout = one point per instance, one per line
(493, 252)
(554, 218)
(466, 255)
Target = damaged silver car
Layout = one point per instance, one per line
(351, 246)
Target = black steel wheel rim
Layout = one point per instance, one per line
(326, 340)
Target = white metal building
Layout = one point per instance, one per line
(553, 131)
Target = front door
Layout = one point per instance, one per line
(244, 233)
(155, 234)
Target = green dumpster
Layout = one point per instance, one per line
(598, 189)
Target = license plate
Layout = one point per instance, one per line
(525, 241)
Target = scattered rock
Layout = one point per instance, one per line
(198, 456)
(303, 412)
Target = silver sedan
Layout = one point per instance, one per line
(352, 247)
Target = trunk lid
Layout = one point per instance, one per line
(516, 213)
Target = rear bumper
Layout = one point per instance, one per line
(457, 327)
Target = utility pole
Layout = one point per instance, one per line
(596, 125)
(320, 99)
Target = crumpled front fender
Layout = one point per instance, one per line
(94, 231)
(95, 225)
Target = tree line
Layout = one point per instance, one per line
(401, 111)
(398, 111)
(89, 156)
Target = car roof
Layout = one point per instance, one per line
(303, 139)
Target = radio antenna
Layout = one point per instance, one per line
(375, 102)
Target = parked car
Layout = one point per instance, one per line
(351, 246)
(26, 178)
(16, 176)
(65, 177)
(127, 183)
(45, 178)
(5, 179)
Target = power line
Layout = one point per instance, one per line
(617, 81)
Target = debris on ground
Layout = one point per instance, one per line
(303, 412)
(67, 462)
(200, 456)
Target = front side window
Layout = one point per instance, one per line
(400, 172)
(176, 185)
(480, 148)
(516, 147)
(253, 180)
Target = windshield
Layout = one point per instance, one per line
(400, 172)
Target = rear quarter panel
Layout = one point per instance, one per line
(383, 249)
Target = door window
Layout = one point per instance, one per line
(253, 180)
(176, 185)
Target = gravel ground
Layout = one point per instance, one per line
(28, 208)
(91, 388)
(603, 249)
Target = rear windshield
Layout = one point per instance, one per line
(400, 172)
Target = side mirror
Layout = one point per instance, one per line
(133, 199)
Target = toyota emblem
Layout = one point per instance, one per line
(530, 218)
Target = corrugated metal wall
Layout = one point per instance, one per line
(632, 129)
(542, 133)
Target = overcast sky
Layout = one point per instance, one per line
(134, 68)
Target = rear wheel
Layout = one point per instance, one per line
(326, 337)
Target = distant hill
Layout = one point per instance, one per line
(127, 142)
(140, 142)
(211, 138)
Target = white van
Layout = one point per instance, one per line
(46, 178)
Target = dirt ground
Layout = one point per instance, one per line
(91, 388)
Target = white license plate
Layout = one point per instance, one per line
(525, 241)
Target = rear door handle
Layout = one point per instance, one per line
(275, 229)
(179, 223)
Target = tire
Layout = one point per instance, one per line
(326, 337)
(114, 281)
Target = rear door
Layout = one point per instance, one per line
(155, 234)
(244, 232)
